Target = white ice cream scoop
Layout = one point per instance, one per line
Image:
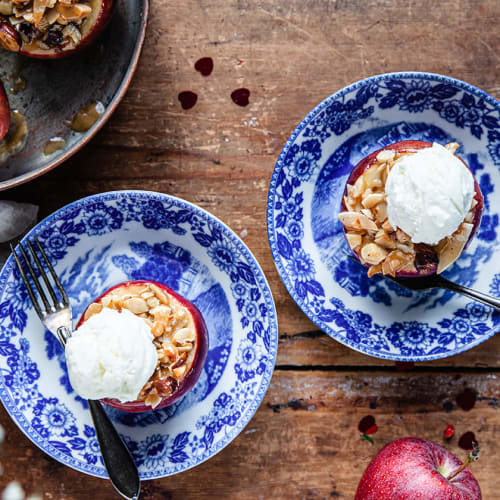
(111, 355)
(429, 194)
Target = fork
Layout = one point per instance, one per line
(57, 318)
(437, 281)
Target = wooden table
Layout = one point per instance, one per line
(291, 54)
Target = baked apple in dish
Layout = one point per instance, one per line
(139, 346)
(51, 29)
(410, 209)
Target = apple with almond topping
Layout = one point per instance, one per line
(410, 209)
(52, 29)
(416, 469)
(177, 331)
(4, 113)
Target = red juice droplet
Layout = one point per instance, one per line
(467, 399)
(366, 423)
(205, 66)
(240, 96)
(188, 99)
(467, 440)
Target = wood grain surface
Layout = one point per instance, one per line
(303, 442)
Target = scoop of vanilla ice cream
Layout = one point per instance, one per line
(111, 355)
(429, 194)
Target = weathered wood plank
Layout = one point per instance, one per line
(291, 55)
(309, 449)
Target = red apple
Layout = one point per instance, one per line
(90, 29)
(4, 113)
(426, 259)
(416, 469)
(189, 379)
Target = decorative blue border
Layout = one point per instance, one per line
(27, 428)
(272, 194)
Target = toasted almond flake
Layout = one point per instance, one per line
(373, 254)
(158, 328)
(354, 240)
(384, 240)
(401, 236)
(94, 308)
(367, 212)
(358, 187)
(386, 155)
(380, 212)
(137, 305)
(179, 371)
(159, 293)
(372, 270)
(454, 247)
(184, 335)
(373, 199)
(386, 226)
(357, 222)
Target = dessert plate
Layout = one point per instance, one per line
(58, 89)
(373, 315)
(109, 238)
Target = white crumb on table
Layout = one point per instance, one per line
(13, 491)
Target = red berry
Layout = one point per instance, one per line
(372, 430)
(449, 431)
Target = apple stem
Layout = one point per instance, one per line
(473, 456)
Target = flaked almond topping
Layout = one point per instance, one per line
(172, 327)
(357, 222)
(354, 240)
(137, 305)
(94, 308)
(373, 254)
(371, 236)
(373, 199)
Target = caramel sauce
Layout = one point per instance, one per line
(18, 85)
(53, 145)
(86, 117)
(16, 136)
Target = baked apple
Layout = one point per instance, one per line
(179, 336)
(4, 113)
(410, 209)
(51, 29)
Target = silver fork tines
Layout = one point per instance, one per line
(55, 314)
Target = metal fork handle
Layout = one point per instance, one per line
(484, 298)
(117, 458)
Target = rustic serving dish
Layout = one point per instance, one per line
(56, 90)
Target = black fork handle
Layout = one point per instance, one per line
(484, 298)
(118, 461)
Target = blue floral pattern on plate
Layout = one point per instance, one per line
(107, 239)
(375, 316)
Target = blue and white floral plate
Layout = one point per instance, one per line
(107, 239)
(375, 316)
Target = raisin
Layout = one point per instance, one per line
(54, 38)
(426, 259)
(27, 30)
(166, 386)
